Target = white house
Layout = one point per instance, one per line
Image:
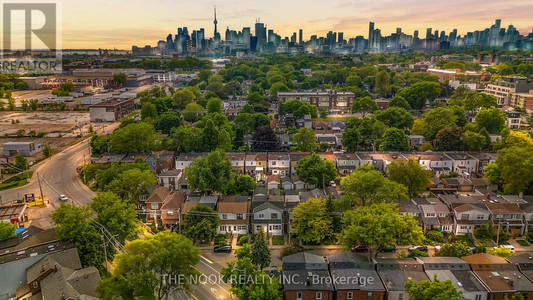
(279, 163)
(468, 216)
(269, 216)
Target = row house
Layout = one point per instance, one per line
(268, 216)
(237, 161)
(483, 159)
(469, 216)
(394, 273)
(295, 157)
(163, 207)
(346, 162)
(170, 179)
(499, 277)
(185, 159)
(437, 162)
(161, 161)
(435, 215)
(234, 215)
(463, 164)
(256, 165)
(373, 159)
(279, 163)
(509, 216)
(458, 272)
(300, 274)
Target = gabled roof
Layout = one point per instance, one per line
(273, 205)
(233, 207)
(159, 195)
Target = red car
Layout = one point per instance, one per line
(360, 248)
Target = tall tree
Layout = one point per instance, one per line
(394, 139)
(449, 139)
(383, 83)
(265, 139)
(437, 119)
(119, 217)
(211, 173)
(379, 225)
(351, 139)
(135, 137)
(151, 268)
(457, 249)
(148, 111)
(73, 225)
(410, 174)
(167, 121)
(364, 106)
(305, 140)
(201, 224)
(420, 93)
(493, 120)
(214, 105)
(368, 185)
(310, 222)
(396, 117)
(260, 251)
(516, 168)
(315, 170)
(131, 184)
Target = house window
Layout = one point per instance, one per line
(274, 163)
(223, 228)
(273, 216)
(299, 296)
(400, 297)
(464, 217)
(480, 217)
(35, 284)
(349, 296)
(369, 296)
(155, 206)
(478, 297)
(224, 216)
(261, 216)
(239, 216)
(275, 227)
(170, 212)
(318, 295)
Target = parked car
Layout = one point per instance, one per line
(387, 248)
(63, 198)
(360, 248)
(223, 249)
(419, 248)
(274, 271)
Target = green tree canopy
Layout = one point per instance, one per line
(364, 106)
(305, 140)
(433, 290)
(493, 119)
(367, 185)
(211, 173)
(144, 269)
(311, 223)
(378, 225)
(410, 174)
(315, 170)
(135, 137)
(201, 224)
(394, 139)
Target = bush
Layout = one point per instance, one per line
(289, 250)
(221, 239)
(435, 237)
(243, 239)
(278, 240)
(417, 253)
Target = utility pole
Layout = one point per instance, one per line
(105, 247)
(40, 187)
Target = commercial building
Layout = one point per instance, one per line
(524, 101)
(502, 89)
(111, 110)
(331, 100)
(22, 148)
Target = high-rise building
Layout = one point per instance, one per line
(429, 35)
(300, 38)
(216, 35)
(371, 35)
(260, 33)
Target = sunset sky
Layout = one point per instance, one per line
(121, 23)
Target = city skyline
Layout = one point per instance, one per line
(315, 17)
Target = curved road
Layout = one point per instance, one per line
(58, 176)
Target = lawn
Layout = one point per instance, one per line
(465, 239)
(16, 181)
(522, 243)
(278, 240)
